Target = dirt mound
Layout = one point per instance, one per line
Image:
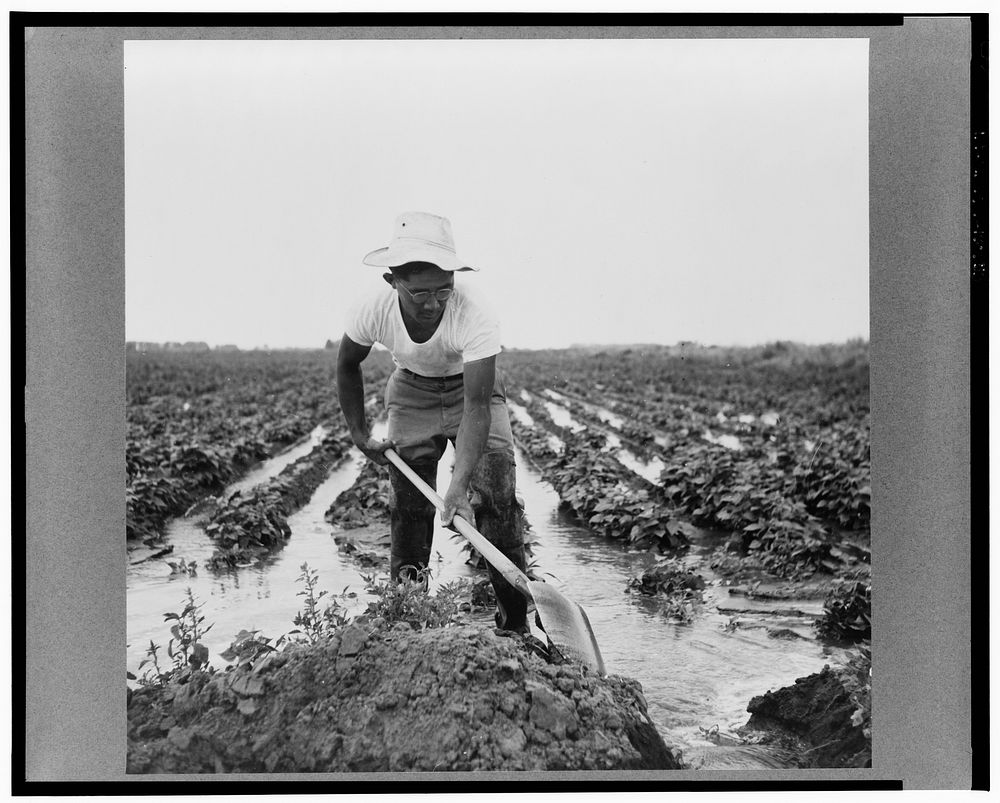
(817, 711)
(455, 698)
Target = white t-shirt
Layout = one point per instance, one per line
(465, 333)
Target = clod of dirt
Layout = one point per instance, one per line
(817, 711)
(455, 698)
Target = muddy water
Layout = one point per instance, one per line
(255, 598)
(697, 678)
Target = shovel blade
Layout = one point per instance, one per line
(566, 625)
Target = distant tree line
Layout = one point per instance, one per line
(190, 345)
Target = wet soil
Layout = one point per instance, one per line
(815, 714)
(370, 699)
(754, 598)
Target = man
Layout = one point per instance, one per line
(445, 388)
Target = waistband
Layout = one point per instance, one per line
(408, 372)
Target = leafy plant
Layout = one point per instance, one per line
(408, 601)
(195, 421)
(679, 589)
(847, 611)
(856, 676)
(247, 648)
(185, 647)
(153, 675)
(602, 493)
(788, 479)
(312, 621)
(365, 502)
(249, 526)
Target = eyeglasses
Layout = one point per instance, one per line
(421, 297)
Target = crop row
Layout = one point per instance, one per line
(830, 482)
(197, 421)
(757, 499)
(815, 383)
(250, 525)
(365, 503)
(600, 492)
(829, 464)
(165, 479)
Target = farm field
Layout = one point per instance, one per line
(709, 508)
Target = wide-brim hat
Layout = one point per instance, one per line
(419, 237)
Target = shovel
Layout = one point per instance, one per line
(565, 623)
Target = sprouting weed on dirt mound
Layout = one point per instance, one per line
(188, 654)
(314, 623)
(408, 602)
(185, 649)
(454, 699)
(187, 635)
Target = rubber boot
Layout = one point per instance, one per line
(499, 517)
(411, 521)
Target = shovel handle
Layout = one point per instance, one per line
(493, 556)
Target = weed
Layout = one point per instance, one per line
(856, 675)
(456, 593)
(183, 567)
(312, 622)
(154, 675)
(847, 610)
(185, 647)
(247, 648)
(679, 589)
(407, 601)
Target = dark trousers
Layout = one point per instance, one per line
(423, 416)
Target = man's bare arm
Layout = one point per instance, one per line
(351, 393)
(473, 434)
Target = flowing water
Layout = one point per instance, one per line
(697, 678)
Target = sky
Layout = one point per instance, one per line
(610, 191)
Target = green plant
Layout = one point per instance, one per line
(456, 594)
(847, 610)
(408, 601)
(195, 421)
(185, 647)
(856, 676)
(602, 493)
(365, 502)
(799, 472)
(154, 675)
(247, 648)
(679, 589)
(313, 622)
